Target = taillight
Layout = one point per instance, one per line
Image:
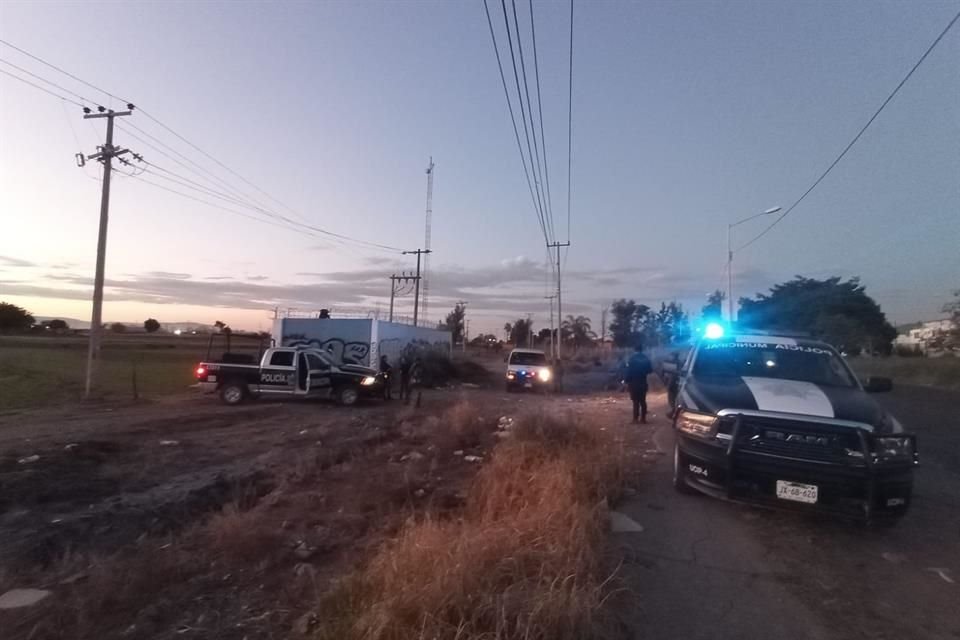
(201, 372)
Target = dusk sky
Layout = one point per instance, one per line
(686, 116)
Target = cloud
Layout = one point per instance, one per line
(15, 262)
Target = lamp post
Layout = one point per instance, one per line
(730, 257)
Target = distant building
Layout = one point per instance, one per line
(921, 337)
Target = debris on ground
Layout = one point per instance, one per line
(169, 443)
(16, 598)
(28, 459)
(458, 452)
(473, 458)
(943, 573)
(413, 455)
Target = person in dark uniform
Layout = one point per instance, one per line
(385, 369)
(638, 368)
(405, 366)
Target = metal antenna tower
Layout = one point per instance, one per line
(426, 240)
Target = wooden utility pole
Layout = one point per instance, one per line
(416, 295)
(394, 279)
(106, 155)
(553, 341)
(557, 245)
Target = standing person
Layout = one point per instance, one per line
(638, 368)
(405, 366)
(385, 369)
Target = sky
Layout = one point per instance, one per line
(687, 116)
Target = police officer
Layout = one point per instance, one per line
(385, 369)
(638, 368)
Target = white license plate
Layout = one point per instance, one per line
(528, 385)
(211, 378)
(797, 491)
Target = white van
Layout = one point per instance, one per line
(528, 369)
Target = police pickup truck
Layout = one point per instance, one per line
(784, 422)
(289, 371)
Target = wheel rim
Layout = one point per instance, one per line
(232, 394)
(348, 396)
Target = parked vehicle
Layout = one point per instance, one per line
(784, 422)
(289, 371)
(528, 369)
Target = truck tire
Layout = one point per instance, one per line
(233, 393)
(347, 396)
(679, 482)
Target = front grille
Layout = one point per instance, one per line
(799, 440)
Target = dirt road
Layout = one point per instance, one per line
(707, 569)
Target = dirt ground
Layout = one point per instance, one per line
(110, 485)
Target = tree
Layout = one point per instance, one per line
(14, 318)
(520, 332)
(151, 325)
(57, 325)
(713, 310)
(623, 322)
(118, 327)
(949, 338)
(507, 331)
(810, 305)
(577, 331)
(454, 322)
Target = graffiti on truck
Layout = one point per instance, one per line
(339, 350)
(397, 348)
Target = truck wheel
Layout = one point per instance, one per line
(679, 482)
(347, 396)
(232, 393)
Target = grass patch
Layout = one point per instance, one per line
(935, 372)
(524, 561)
(37, 375)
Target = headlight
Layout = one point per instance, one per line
(544, 374)
(369, 380)
(511, 375)
(697, 424)
(887, 447)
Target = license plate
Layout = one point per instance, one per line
(528, 385)
(211, 378)
(797, 491)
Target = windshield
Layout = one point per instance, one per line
(784, 362)
(528, 359)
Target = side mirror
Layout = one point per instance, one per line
(877, 384)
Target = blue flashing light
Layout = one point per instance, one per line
(713, 331)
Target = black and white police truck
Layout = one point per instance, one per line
(784, 422)
(289, 372)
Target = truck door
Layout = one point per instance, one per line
(320, 374)
(278, 376)
(303, 375)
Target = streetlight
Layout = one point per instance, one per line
(730, 256)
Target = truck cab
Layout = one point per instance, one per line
(289, 372)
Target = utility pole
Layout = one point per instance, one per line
(416, 295)
(557, 245)
(463, 303)
(106, 155)
(552, 341)
(428, 226)
(603, 326)
(394, 279)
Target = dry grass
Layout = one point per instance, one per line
(524, 561)
(465, 425)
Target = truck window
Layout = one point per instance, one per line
(281, 359)
(317, 363)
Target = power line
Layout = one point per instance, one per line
(49, 82)
(569, 134)
(543, 137)
(548, 215)
(66, 73)
(523, 121)
(855, 138)
(513, 118)
(192, 145)
(44, 89)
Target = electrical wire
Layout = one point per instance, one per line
(49, 82)
(566, 250)
(192, 145)
(44, 89)
(543, 137)
(548, 215)
(849, 146)
(513, 118)
(523, 121)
